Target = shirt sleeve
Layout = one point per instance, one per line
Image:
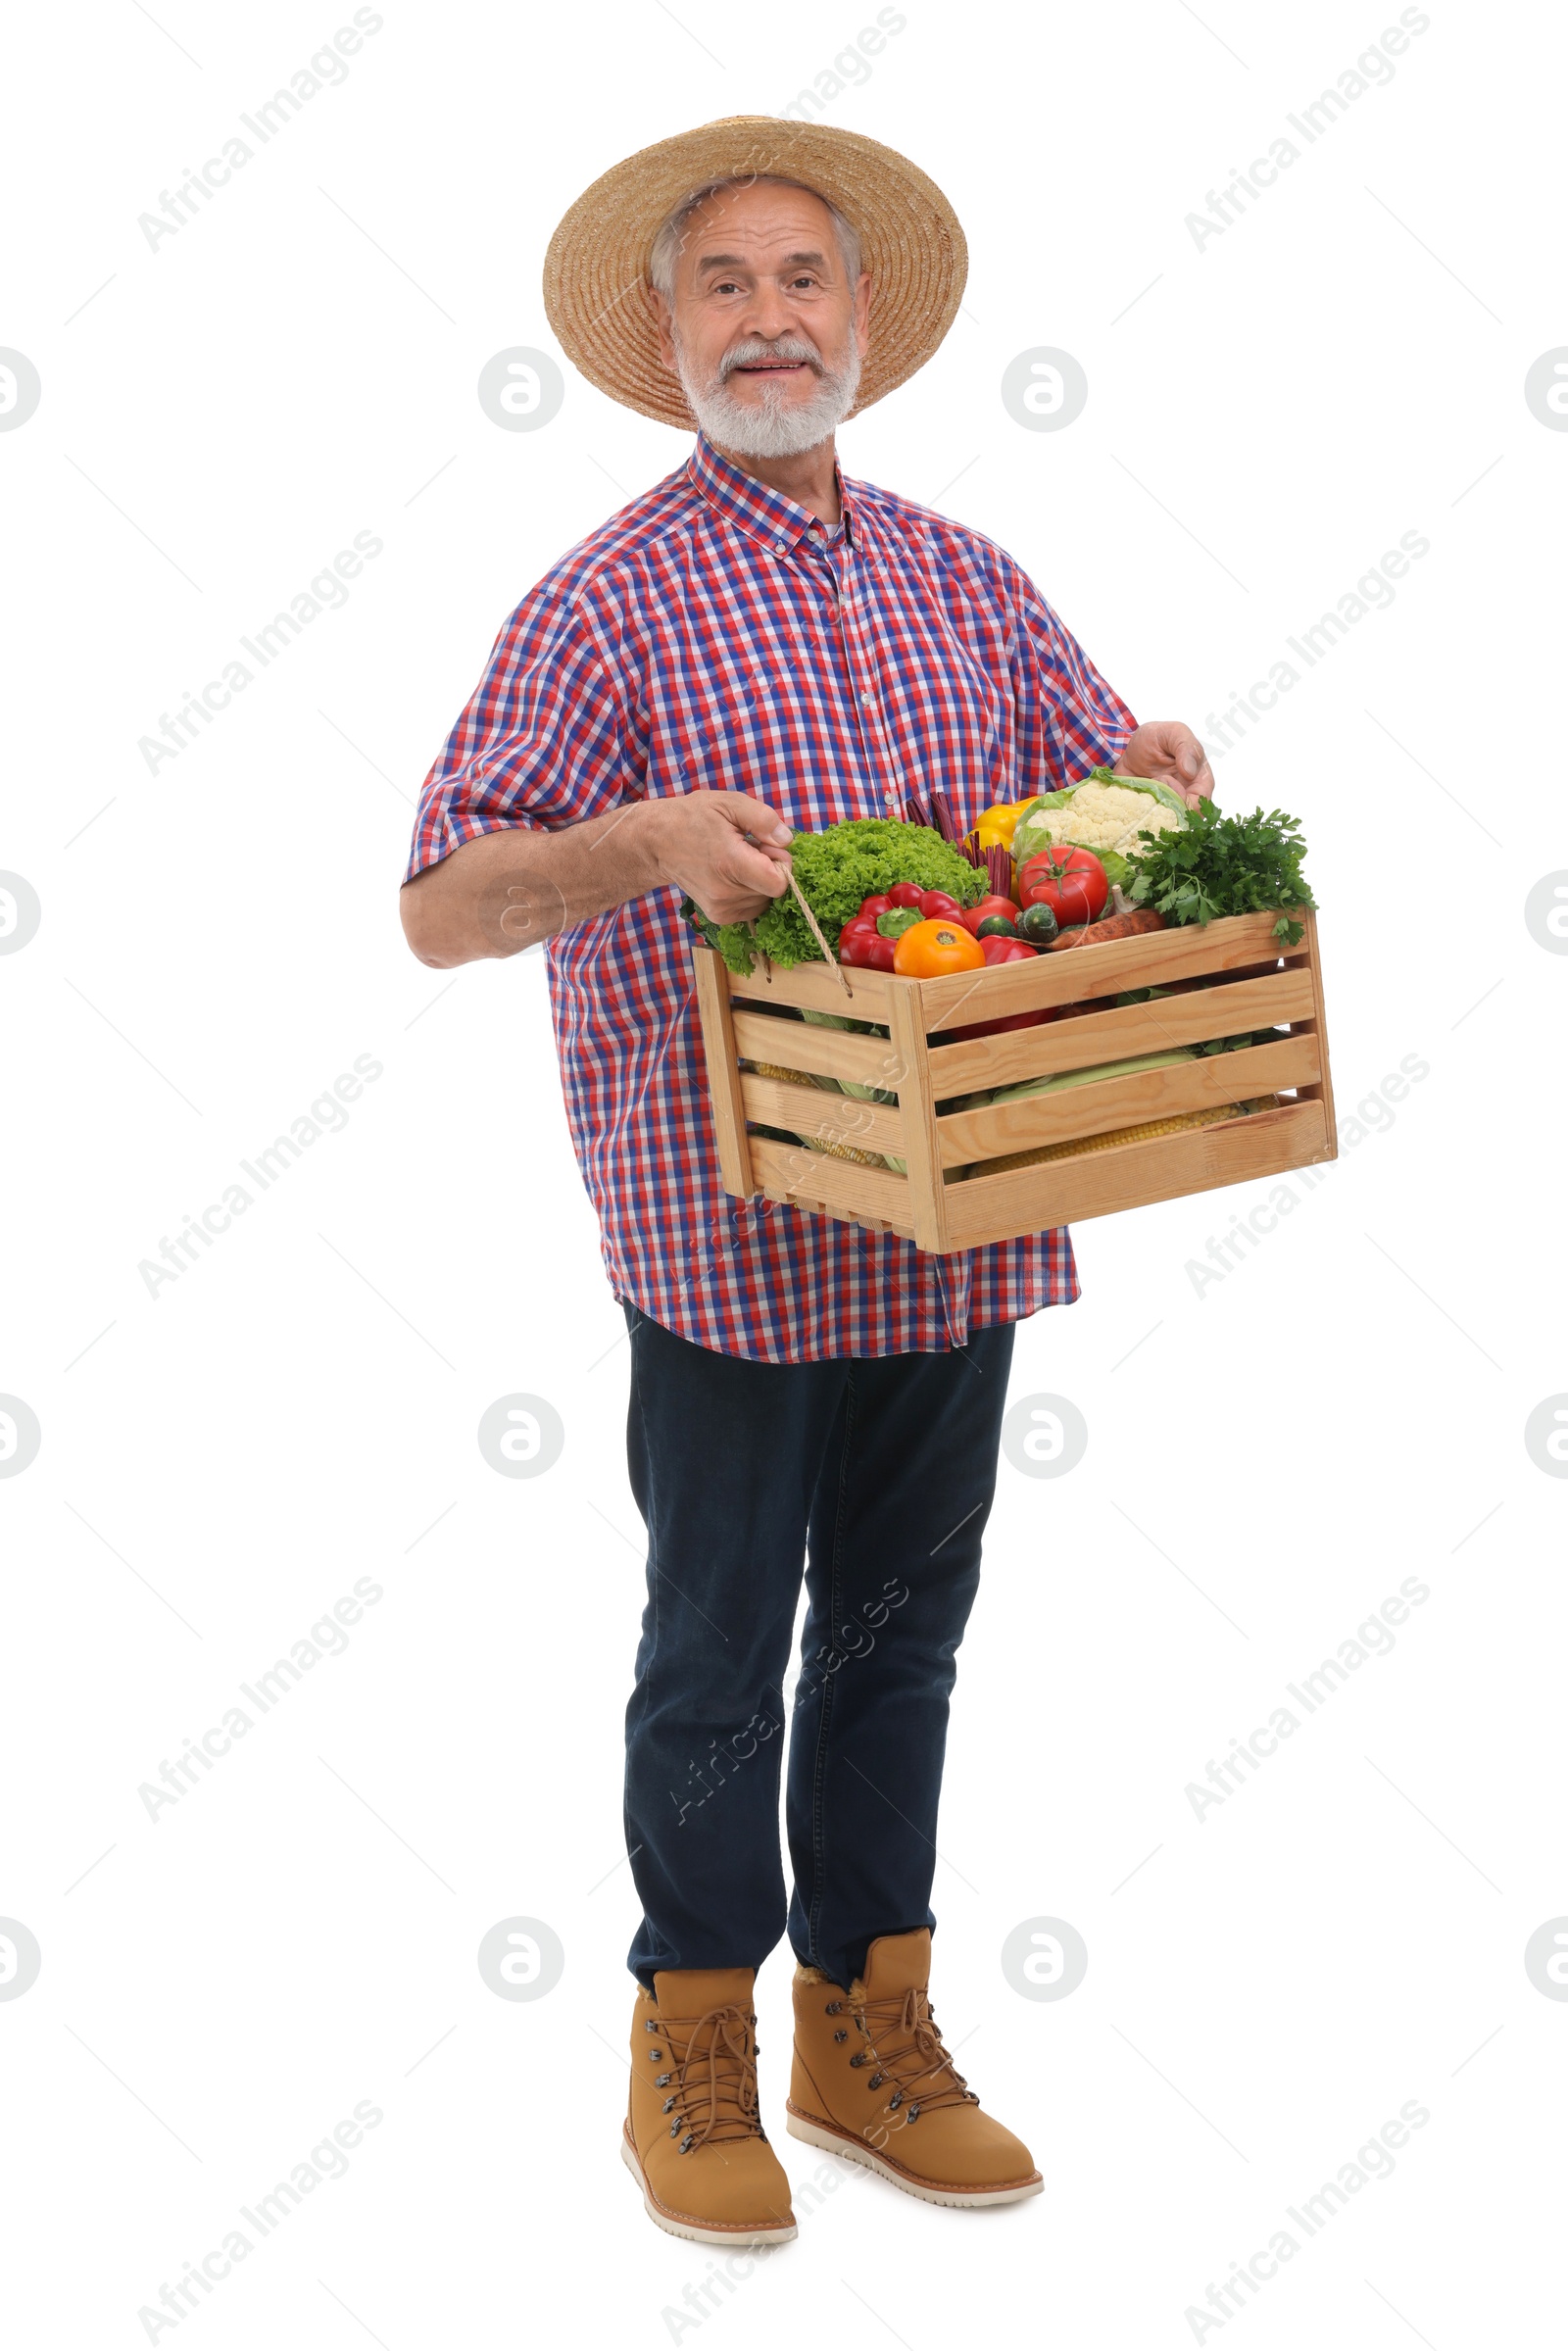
(541, 743)
(1068, 720)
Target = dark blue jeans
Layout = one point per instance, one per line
(877, 1473)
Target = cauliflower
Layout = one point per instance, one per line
(1101, 816)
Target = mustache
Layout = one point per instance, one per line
(787, 347)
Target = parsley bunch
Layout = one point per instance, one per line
(1216, 866)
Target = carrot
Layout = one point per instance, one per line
(1114, 926)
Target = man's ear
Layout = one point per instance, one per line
(864, 293)
(664, 322)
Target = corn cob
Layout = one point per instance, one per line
(771, 1069)
(1179, 1123)
(844, 1151)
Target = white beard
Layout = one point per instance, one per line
(775, 427)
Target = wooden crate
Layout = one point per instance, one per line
(1255, 985)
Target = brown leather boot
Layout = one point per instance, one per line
(872, 2081)
(693, 2139)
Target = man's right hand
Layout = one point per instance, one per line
(729, 852)
(511, 888)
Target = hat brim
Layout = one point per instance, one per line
(596, 269)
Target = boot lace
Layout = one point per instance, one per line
(907, 2049)
(712, 2080)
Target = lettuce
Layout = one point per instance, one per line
(836, 869)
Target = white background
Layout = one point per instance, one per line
(221, 1462)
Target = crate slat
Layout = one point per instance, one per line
(1324, 1089)
(1117, 1034)
(1033, 1200)
(918, 1107)
(814, 986)
(807, 1179)
(723, 1076)
(1150, 960)
(1106, 1104)
(836, 1117)
(825, 1052)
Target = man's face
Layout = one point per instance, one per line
(766, 330)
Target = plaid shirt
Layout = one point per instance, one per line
(709, 636)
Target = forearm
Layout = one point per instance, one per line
(508, 890)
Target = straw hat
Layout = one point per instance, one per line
(597, 265)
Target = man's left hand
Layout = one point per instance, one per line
(1163, 751)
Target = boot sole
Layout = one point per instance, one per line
(842, 2143)
(676, 2225)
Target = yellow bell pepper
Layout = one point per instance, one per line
(999, 823)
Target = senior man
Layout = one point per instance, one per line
(758, 644)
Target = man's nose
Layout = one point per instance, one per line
(769, 314)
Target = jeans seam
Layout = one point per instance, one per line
(653, 1541)
(819, 1761)
(650, 1521)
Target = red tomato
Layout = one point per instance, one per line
(1070, 881)
(877, 903)
(996, 949)
(939, 902)
(973, 917)
(904, 893)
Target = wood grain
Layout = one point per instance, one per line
(1150, 961)
(723, 1076)
(828, 1052)
(1031, 1200)
(1084, 1038)
(1324, 1089)
(917, 1105)
(804, 1178)
(814, 985)
(834, 1117)
(1106, 1104)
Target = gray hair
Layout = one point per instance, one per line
(671, 240)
